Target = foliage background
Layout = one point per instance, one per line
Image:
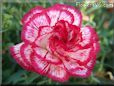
(101, 18)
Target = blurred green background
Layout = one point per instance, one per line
(101, 18)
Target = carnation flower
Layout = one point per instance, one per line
(55, 44)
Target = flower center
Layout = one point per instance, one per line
(60, 31)
(64, 35)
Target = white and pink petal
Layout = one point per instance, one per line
(29, 34)
(89, 36)
(75, 12)
(81, 71)
(15, 51)
(53, 14)
(58, 73)
(46, 55)
(66, 16)
(81, 55)
(84, 70)
(70, 64)
(26, 18)
(39, 65)
(43, 36)
(38, 20)
(43, 30)
(56, 14)
(26, 52)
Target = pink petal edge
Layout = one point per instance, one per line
(32, 12)
(17, 56)
(26, 52)
(76, 13)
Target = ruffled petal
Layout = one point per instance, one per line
(44, 30)
(70, 64)
(31, 29)
(15, 51)
(58, 73)
(42, 40)
(52, 59)
(84, 70)
(91, 63)
(56, 14)
(26, 52)
(66, 16)
(89, 36)
(41, 52)
(29, 34)
(43, 36)
(31, 13)
(76, 13)
(39, 20)
(39, 65)
(81, 71)
(82, 55)
(96, 46)
(46, 55)
(53, 14)
(94, 40)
